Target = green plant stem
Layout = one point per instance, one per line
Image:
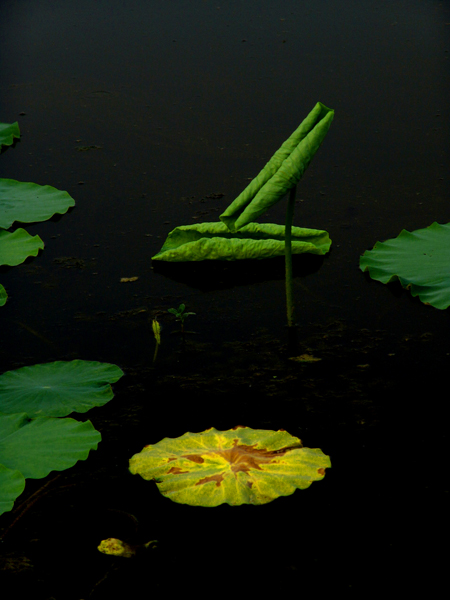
(156, 352)
(288, 257)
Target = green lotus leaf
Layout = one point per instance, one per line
(12, 484)
(34, 447)
(30, 202)
(3, 296)
(238, 466)
(8, 131)
(420, 260)
(17, 246)
(282, 172)
(214, 241)
(56, 389)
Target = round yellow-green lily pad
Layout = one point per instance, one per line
(238, 466)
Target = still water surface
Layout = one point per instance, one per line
(153, 115)
(178, 104)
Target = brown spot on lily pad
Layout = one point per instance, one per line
(195, 458)
(177, 471)
(243, 458)
(217, 478)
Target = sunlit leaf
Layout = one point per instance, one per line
(30, 202)
(239, 466)
(3, 296)
(8, 132)
(214, 241)
(282, 172)
(12, 484)
(115, 547)
(58, 388)
(35, 447)
(17, 246)
(420, 260)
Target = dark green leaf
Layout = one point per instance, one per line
(56, 389)
(8, 132)
(12, 484)
(3, 296)
(17, 246)
(420, 260)
(34, 447)
(30, 202)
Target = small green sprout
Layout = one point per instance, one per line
(180, 315)
(157, 333)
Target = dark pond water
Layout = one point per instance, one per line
(153, 115)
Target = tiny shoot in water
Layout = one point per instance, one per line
(157, 333)
(180, 315)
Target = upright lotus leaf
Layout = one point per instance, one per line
(8, 131)
(3, 296)
(12, 484)
(17, 246)
(214, 241)
(282, 172)
(420, 260)
(238, 466)
(30, 202)
(56, 389)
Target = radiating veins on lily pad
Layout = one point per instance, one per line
(238, 466)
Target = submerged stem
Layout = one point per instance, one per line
(156, 352)
(288, 256)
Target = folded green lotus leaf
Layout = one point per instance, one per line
(420, 260)
(8, 131)
(30, 202)
(3, 295)
(58, 388)
(33, 448)
(12, 484)
(238, 466)
(283, 171)
(17, 246)
(214, 241)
